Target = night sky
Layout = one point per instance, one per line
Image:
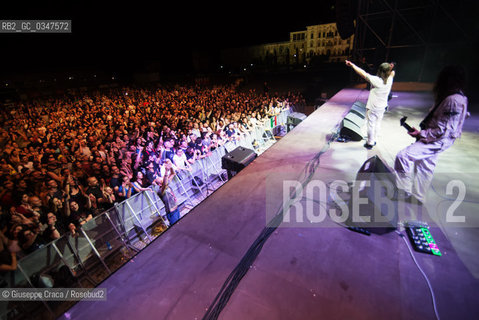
(129, 35)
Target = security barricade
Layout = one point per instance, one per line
(196, 175)
(247, 140)
(268, 126)
(42, 269)
(212, 168)
(179, 186)
(139, 212)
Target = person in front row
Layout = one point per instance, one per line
(167, 195)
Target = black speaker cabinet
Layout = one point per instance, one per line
(294, 119)
(353, 122)
(237, 159)
(376, 183)
(351, 130)
(359, 109)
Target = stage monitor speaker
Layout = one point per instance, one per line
(359, 108)
(294, 119)
(351, 131)
(353, 122)
(237, 160)
(355, 118)
(376, 183)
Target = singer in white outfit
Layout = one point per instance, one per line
(378, 97)
(415, 164)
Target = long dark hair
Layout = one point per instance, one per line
(451, 80)
(135, 177)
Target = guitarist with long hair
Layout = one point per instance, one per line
(415, 164)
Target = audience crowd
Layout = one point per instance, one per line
(66, 160)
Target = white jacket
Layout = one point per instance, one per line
(378, 95)
(446, 122)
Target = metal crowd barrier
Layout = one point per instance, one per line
(119, 227)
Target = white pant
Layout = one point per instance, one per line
(373, 121)
(414, 167)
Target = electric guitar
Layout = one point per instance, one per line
(407, 126)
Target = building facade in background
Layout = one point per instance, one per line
(317, 43)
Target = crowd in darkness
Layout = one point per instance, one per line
(66, 160)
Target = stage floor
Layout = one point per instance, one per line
(317, 270)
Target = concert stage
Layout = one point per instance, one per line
(310, 270)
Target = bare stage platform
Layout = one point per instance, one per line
(310, 271)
